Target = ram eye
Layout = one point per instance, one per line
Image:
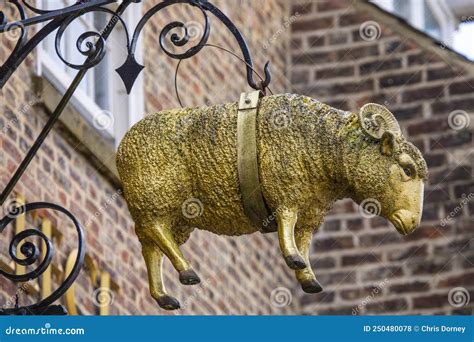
(409, 171)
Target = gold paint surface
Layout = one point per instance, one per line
(179, 170)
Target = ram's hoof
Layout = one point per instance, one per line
(295, 262)
(168, 303)
(311, 286)
(189, 277)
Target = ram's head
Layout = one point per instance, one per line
(389, 177)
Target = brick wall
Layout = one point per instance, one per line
(239, 274)
(364, 265)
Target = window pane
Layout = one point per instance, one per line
(402, 8)
(49, 41)
(101, 75)
(432, 26)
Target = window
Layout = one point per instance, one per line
(101, 97)
(433, 17)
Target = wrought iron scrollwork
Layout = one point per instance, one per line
(60, 19)
(131, 68)
(13, 28)
(93, 51)
(91, 45)
(29, 253)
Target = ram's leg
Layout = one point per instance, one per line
(305, 276)
(286, 219)
(162, 236)
(154, 260)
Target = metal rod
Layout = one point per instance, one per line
(52, 15)
(42, 136)
(55, 115)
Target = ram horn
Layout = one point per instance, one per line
(376, 119)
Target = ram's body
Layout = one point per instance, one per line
(179, 155)
(179, 171)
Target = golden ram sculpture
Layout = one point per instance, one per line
(309, 156)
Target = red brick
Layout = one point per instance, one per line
(429, 267)
(320, 262)
(408, 112)
(463, 87)
(337, 278)
(436, 195)
(311, 24)
(434, 159)
(432, 93)
(335, 72)
(441, 73)
(408, 253)
(316, 41)
(374, 240)
(422, 58)
(398, 46)
(449, 175)
(428, 126)
(400, 79)
(417, 286)
(300, 9)
(451, 140)
(300, 77)
(425, 233)
(360, 259)
(357, 293)
(380, 65)
(392, 305)
(336, 38)
(352, 19)
(352, 87)
(444, 107)
(430, 301)
(312, 58)
(355, 53)
(381, 273)
(328, 244)
(331, 5)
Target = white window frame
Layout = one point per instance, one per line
(126, 109)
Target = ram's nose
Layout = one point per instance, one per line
(405, 221)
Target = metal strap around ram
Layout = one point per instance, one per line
(247, 160)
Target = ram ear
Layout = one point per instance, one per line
(388, 143)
